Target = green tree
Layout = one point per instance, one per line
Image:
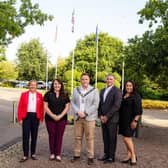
(31, 61)
(7, 70)
(109, 49)
(146, 57)
(155, 56)
(155, 11)
(14, 18)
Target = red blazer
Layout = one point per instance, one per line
(23, 105)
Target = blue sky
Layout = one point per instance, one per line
(117, 17)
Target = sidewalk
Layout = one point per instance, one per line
(151, 146)
(151, 149)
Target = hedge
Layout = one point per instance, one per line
(154, 104)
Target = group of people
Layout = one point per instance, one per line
(113, 108)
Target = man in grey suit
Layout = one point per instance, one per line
(108, 112)
(84, 103)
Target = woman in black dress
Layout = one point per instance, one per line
(130, 112)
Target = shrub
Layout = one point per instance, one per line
(149, 104)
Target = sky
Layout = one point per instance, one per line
(118, 18)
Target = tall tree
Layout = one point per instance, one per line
(147, 56)
(31, 60)
(109, 54)
(7, 70)
(14, 19)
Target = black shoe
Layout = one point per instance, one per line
(90, 161)
(75, 158)
(126, 161)
(109, 160)
(33, 157)
(105, 157)
(133, 163)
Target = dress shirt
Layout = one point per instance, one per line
(32, 102)
(106, 92)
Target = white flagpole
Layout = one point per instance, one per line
(96, 55)
(123, 64)
(73, 52)
(56, 62)
(46, 69)
(72, 77)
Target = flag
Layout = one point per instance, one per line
(97, 34)
(56, 34)
(73, 20)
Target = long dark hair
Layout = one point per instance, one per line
(134, 87)
(63, 93)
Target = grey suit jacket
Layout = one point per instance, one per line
(110, 107)
(91, 104)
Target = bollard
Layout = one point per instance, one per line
(14, 114)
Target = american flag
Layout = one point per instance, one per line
(73, 20)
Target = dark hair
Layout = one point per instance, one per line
(62, 91)
(134, 87)
(84, 74)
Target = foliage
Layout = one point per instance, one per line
(14, 19)
(2, 53)
(155, 11)
(154, 104)
(31, 61)
(101, 85)
(101, 76)
(109, 54)
(7, 70)
(146, 57)
(68, 74)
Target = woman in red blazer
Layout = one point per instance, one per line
(30, 112)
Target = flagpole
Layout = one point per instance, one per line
(73, 51)
(72, 75)
(97, 41)
(56, 61)
(46, 69)
(123, 65)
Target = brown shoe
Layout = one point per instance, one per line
(75, 158)
(90, 161)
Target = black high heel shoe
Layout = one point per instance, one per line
(126, 161)
(133, 163)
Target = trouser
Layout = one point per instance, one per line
(55, 132)
(109, 131)
(30, 126)
(82, 127)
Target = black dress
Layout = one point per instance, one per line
(56, 105)
(130, 107)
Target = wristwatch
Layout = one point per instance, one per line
(136, 121)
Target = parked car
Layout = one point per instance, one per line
(41, 84)
(22, 84)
